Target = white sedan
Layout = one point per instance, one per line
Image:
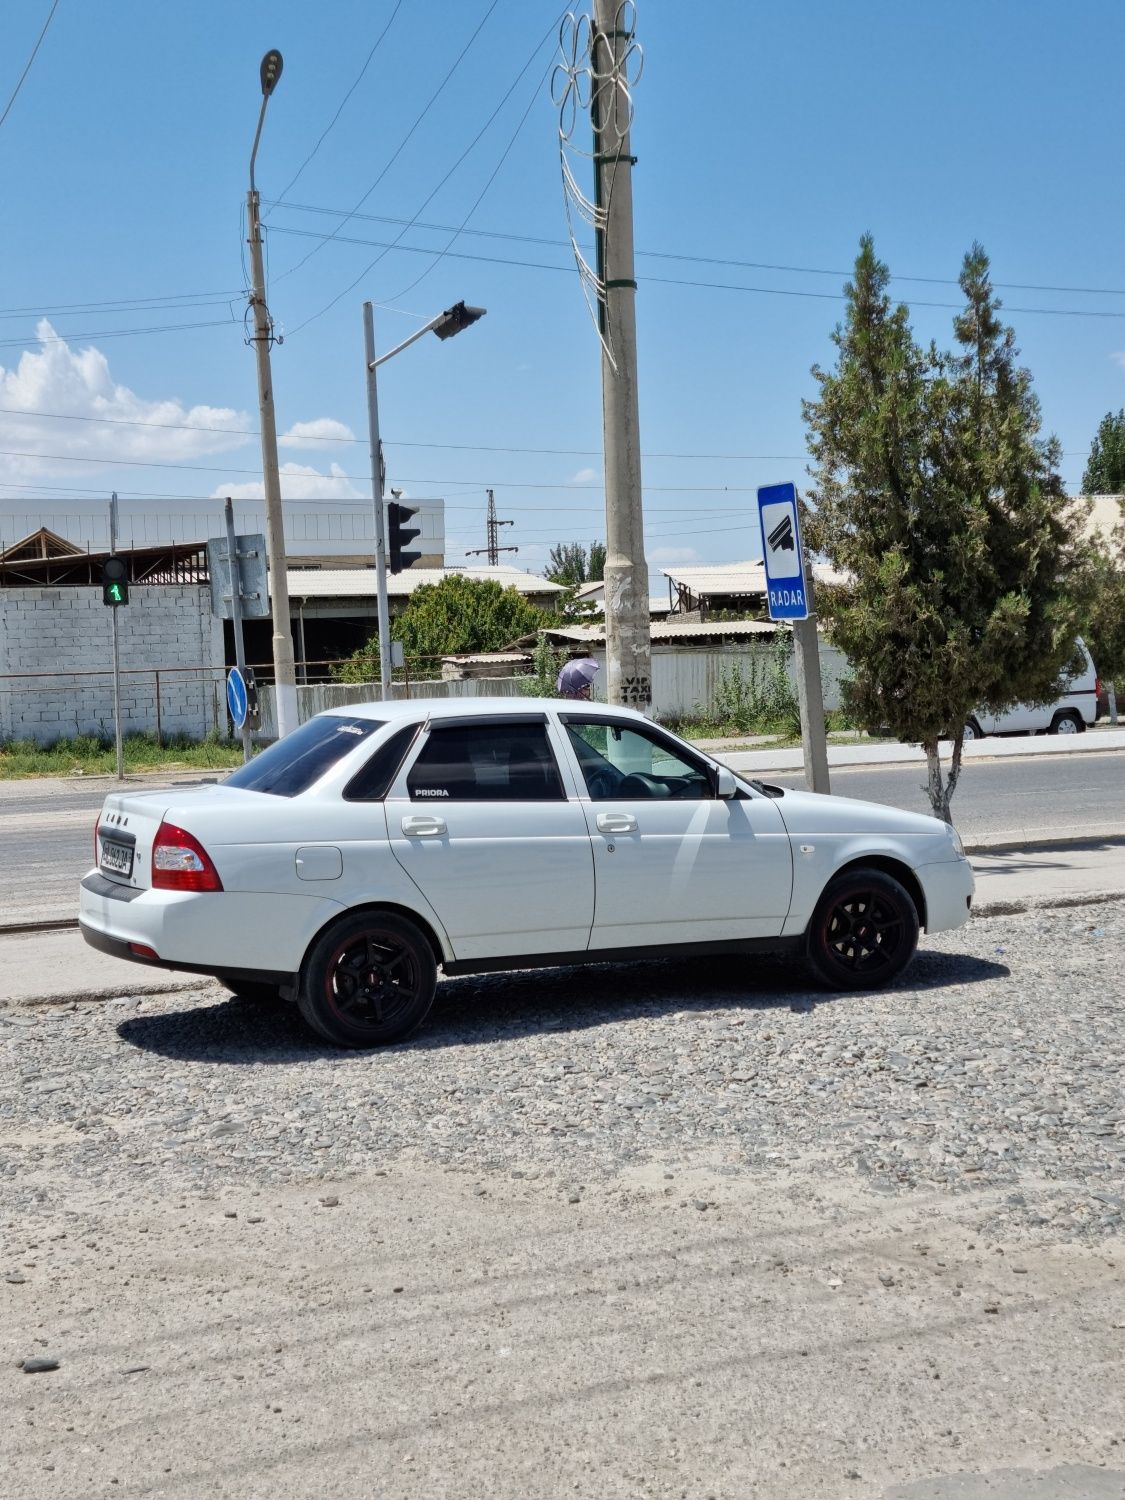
(348, 862)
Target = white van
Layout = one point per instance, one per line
(1070, 714)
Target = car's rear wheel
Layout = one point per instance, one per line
(1067, 721)
(252, 989)
(369, 979)
(864, 931)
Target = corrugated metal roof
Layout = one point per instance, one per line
(359, 583)
(672, 630)
(737, 578)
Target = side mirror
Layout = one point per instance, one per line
(725, 784)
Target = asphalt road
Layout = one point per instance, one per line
(46, 832)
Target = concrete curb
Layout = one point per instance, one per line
(1045, 903)
(107, 992)
(1058, 841)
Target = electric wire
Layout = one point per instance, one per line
(358, 79)
(707, 260)
(402, 144)
(34, 54)
(717, 286)
(429, 199)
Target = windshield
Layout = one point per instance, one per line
(292, 765)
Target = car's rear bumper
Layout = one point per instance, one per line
(202, 932)
(119, 948)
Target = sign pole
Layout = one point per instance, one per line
(789, 594)
(117, 737)
(810, 697)
(234, 574)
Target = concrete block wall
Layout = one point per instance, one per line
(69, 631)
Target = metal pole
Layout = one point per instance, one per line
(810, 694)
(628, 640)
(234, 575)
(377, 478)
(284, 670)
(117, 739)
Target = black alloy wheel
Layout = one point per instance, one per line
(864, 931)
(368, 980)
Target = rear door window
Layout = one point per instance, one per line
(486, 763)
(303, 757)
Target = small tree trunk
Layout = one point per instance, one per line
(1111, 695)
(941, 795)
(933, 769)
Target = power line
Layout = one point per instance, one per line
(706, 260)
(358, 79)
(31, 59)
(470, 147)
(126, 304)
(115, 333)
(480, 196)
(717, 286)
(61, 416)
(402, 144)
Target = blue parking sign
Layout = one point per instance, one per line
(784, 558)
(237, 700)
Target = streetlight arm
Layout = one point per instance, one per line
(406, 343)
(257, 138)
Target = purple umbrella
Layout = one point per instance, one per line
(575, 678)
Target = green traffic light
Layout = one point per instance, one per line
(115, 592)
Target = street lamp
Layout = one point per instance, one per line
(284, 669)
(448, 323)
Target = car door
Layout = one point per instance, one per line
(481, 820)
(673, 862)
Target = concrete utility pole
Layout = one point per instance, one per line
(494, 549)
(284, 668)
(628, 641)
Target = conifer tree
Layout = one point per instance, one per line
(937, 497)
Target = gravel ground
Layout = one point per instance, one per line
(615, 1177)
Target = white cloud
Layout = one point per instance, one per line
(77, 383)
(321, 432)
(584, 476)
(1118, 356)
(298, 482)
(666, 556)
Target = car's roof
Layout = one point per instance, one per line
(411, 709)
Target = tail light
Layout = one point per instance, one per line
(180, 862)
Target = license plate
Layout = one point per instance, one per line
(117, 857)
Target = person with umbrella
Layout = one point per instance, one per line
(577, 675)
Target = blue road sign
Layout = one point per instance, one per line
(236, 697)
(786, 593)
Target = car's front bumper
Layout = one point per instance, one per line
(948, 887)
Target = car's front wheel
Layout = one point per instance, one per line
(369, 979)
(864, 931)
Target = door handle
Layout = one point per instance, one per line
(616, 823)
(423, 827)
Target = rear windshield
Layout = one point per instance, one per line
(294, 763)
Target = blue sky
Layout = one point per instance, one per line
(769, 135)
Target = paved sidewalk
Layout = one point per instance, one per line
(44, 967)
(883, 754)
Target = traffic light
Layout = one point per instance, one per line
(115, 581)
(400, 535)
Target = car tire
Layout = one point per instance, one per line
(368, 980)
(1067, 721)
(252, 989)
(973, 731)
(863, 932)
